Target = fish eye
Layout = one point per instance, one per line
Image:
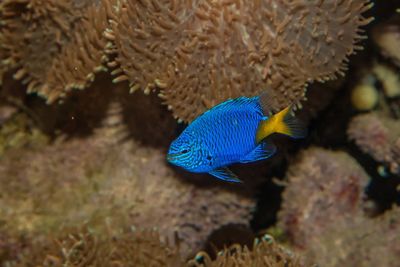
(184, 151)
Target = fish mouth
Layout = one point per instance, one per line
(172, 157)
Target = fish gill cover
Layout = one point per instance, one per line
(197, 53)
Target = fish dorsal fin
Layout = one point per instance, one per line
(268, 102)
(225, 174)
(236, 104)
(262, 151)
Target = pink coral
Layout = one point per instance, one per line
(322, 213)
(322, 187)
(379, 136)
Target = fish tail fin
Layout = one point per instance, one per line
(283, 122)
(290, 125)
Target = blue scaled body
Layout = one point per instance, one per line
(221, 136)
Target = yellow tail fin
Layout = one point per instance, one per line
(282, 122)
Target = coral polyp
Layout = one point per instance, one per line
(199, 53)
(54, 46)
(86, 177)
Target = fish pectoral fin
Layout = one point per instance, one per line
(262, 151)
(225, 174)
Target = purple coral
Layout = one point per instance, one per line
(322, 186)
(379, 136)
(322, 213)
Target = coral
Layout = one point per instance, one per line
(85, 248)
(364, 96)
(199, 53)
(102, 181)
(142, 248)
(6, 112)
(323, 214)
(386, 36)
(357, 241)
(18, 131)
(323, 186)
(265, 252)
(379, 136)
(54, 45)
(10, 247)
(389, 79)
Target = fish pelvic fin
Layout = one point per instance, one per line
(225, 174)
(282, 122)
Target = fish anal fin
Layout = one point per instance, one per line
(262, 151)
(225, 174)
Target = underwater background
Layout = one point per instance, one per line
(93, 92)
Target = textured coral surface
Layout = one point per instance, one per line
(84, 180)
(356, 241)
(323, 213)
(379, 136)
(111, 184)
(265, 252)
(86, 248)
(387, 36)
(142, 249)
(322, 186)
(53, 45)
(200, 53)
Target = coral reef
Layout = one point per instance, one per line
(357, 241)
(53, 45)
(379, 136)
(114, 185)
(18, 132)
(85, 248)
(265, 252)
(143, 248)
(386, 36)
(84, 180)
(322, 186)
(389, 78)
(325, 190)
(200, 53)
(6, 111)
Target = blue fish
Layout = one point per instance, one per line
(234, 131)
